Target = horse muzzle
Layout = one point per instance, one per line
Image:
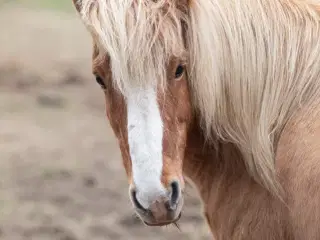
(164, 210)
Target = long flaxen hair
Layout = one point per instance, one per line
(251, 63)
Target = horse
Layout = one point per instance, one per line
(222, 93)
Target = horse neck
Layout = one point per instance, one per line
(228, 192)
(210, 164)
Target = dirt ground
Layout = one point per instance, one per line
(60, 167)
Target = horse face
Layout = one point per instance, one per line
(149, 121)
(151, 128)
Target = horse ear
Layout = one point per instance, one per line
(77, 4)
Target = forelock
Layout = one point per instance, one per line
(139, 37)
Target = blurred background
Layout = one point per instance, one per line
(61, 175)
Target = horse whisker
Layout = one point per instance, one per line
(177, 226)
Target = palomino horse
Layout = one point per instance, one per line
(224, 92)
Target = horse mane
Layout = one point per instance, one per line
(139, 37)
(252, 63)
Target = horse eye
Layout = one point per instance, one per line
(100, 82)
(179, 71)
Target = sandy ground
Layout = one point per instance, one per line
(61, 172)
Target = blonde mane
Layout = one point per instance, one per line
(252, 63)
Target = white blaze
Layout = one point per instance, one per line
(145, 132)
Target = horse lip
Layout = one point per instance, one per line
(161, 224)
(158, 224)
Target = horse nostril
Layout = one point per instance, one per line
(135, 200)
(175, 193)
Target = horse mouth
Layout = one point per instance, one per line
(161, 224)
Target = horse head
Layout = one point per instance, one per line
(139, 60)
